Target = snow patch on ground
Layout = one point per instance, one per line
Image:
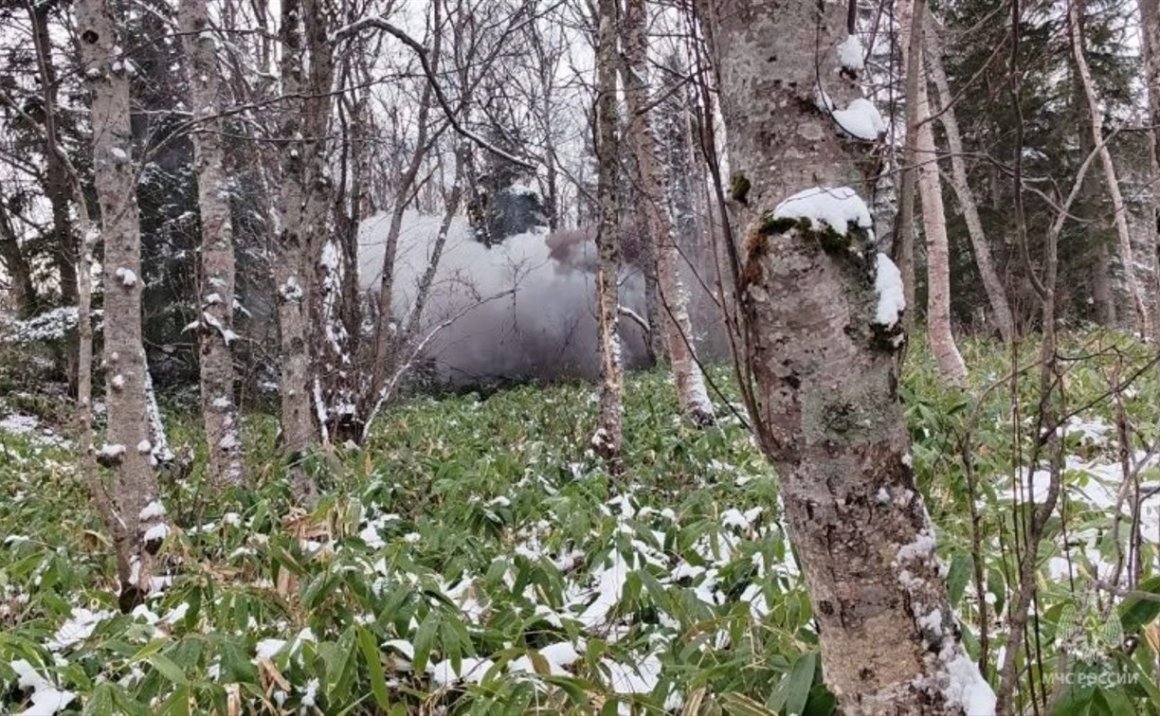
(46, 698)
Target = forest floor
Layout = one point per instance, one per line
(474, 557)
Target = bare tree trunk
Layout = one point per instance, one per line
(127, 444)
(58, 179)
(215, 334)
(1150, 22)
(15, 264)
(996, 295)
(1097, 128)
(291, 269)
(938, 271)
(674, 324)
(387, 330)
(1102, 294)
(606, 440)
(821, 309)
(910, 45)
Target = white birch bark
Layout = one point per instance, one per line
(934, 223)
(1097, 128)
(1150, 30)
(996, 295)
(127, 449)
(215, 329)
(674, 310)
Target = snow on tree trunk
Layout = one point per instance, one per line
(934, 223)
(291, 268)
(1096, 115)
(821, 309)
(1150, 23)
(215, 329)
(674, 322)
(607, 437)
(127, 441)
(996, 295)
(326, 343)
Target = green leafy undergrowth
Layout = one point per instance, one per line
(473, 557)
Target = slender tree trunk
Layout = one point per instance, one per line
(934, 223)
(58, 180)
(910, 45)
(387, 331)
(1150, 22)
(291, 268)
(128, 446)
(996, 295)
(1097, 129)
(653, 308)
(821, 313)
(606, 440)
(675, 323)
(322, 270)
(15, 264)
(215, 334)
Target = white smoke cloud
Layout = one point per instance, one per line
(523, 312)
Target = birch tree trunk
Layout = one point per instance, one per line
(215, 329)
(934, 223)
(910, 45)
(1097, 129)
(996, 295)
(675, 323)
(821, 309)
(127, 447)
(606, 440)
(291, 270)
(1150, 25)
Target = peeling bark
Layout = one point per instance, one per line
(828, 413)
(127, 442)
(215, 328)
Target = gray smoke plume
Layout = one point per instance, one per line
(522, 309)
